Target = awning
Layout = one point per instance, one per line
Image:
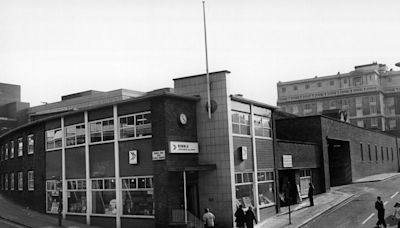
(193, 168)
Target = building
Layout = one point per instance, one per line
(369, 95)
(152, 160)
(12, 110)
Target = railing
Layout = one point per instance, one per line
(178, 218)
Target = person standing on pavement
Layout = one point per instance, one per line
(381, 212)
(311, 194)
(208, 219)
(396, 213)
(240, 218)
(250, 217)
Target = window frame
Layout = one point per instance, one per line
(77, 189)
(12, 182)
(12, 149)
(138, 189)
(241, 124)
(54, 139)
(20, 143)
(20, 181)
(103, 189)
(272, 180)
(101, 121)
(75, 136)
(269, 128)
(31, 180)
(31, 144)
(134, 126)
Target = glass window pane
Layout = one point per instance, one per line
(138, 202)
(244, 195)
(77, 201)
(104, 202)
(266, 193)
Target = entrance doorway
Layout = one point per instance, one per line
(339, 162)
(192, 193)
(288, 193)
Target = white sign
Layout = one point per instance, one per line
(244, 153)
(133, 157)
(158, 155)
(183, 147)
(287, 161)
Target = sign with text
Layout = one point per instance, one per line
(158, 155)
(133, 160)
(287, 161)
(183, 147)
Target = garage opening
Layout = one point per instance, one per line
(339, 162)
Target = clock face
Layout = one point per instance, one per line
(183, 118)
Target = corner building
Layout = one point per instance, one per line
(153, 160)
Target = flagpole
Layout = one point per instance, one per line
(207, 73)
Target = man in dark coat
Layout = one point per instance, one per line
(250, 217)
(240, 219)
(381, 212)
(311, 194)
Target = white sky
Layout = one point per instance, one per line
(53, 47)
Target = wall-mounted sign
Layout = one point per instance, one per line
(243, 153)
(183, 119)
(183, 147)
(158, 155)
(287, 161)
(133, 159)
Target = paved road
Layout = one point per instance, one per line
(7, 224)
(360, 212)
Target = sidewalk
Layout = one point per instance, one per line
(29, 218)
(323, 203)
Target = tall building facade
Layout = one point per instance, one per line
(370, 95)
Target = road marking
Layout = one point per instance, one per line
(385, 202)
(394, 195)
(368, 218)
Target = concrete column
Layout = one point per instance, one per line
(253, 142)
(87, 170)
(63, 171)
(118, 185)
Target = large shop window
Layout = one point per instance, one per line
(53, 139)
(31, 144)
(104, 197)
(31, 181)
(75, 135)
(240, 123)
(76, 192)
(266, 196)
(244, 189)
(20, 147)
(137, 196)
(53, 195)
(262, 126)
(135, 126)
(101, 131)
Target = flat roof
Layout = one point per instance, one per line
(198, 75)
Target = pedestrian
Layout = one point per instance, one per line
(396, 213)
(250, 217)
(240, 219)
(208, 219)
(381, 212)
(311, 194)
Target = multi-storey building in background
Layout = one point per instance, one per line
(370, 95)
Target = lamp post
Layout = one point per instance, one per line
(289, 202)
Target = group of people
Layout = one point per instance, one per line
(243, 217)
(380, 207)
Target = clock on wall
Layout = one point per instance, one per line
(183, 119)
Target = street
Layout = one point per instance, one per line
(7, 224)
(360, 212)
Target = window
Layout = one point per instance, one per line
(102, 130)
(372, 109)
(372, 99)
(75, 135)
(294, 88)
(266, 195)
(53, 139)
(6, 152)
(360, 123)
(362, 152)
(53, 189)
(307, 86)
(387, 153)
(31, 144)
(244, 189)
(369, 152)
(374, 122)
(305, 179)
(31, 181)
(319, 84)
(262, 126)
(20, 181)
(332, 83)
(240, 123)
(20, 147)
(391, 150)
(283, 89)
(135, 126)
(332, 104)
(137, 196)
(6, 182)
(357, 81)
(12, 149)
(77, 202)
(376, 153)
(12, 183)
(383, 159)
(392, 124)
(345, 81)
(103, 196)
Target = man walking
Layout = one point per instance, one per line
(381, 212)
(311, 194)
(208, 219)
